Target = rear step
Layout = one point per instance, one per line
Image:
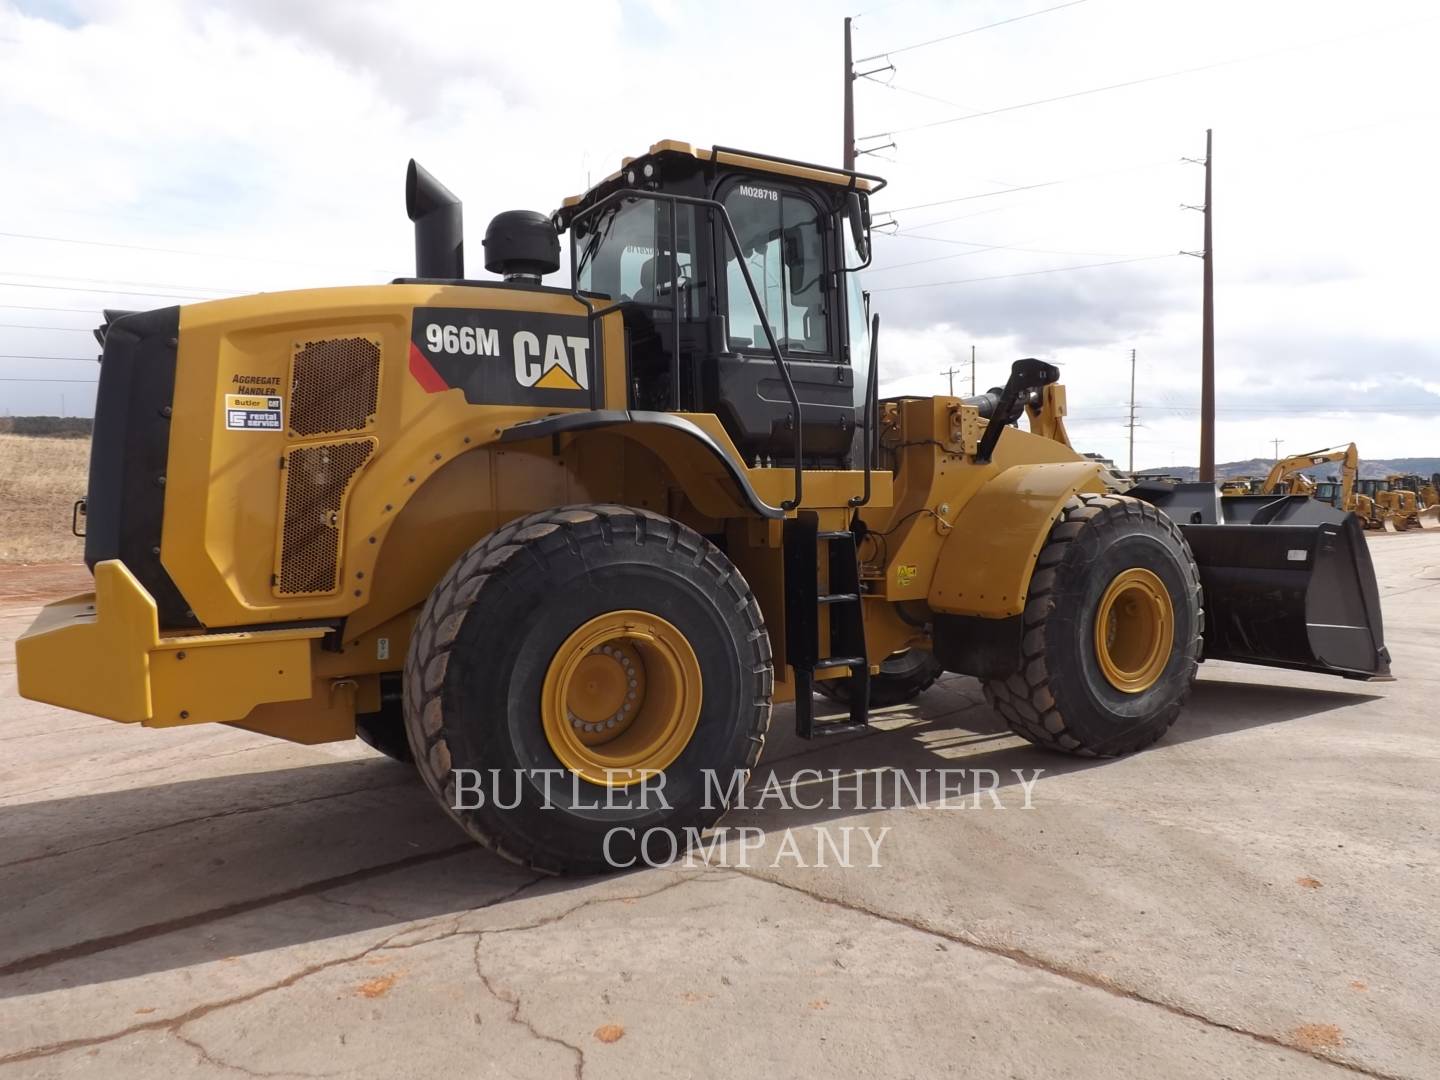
(803, 601)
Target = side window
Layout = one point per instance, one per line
(783, 248)
(804, 255)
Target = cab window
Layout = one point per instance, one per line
(784, 249)
(626, 255)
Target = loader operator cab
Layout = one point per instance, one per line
(670, 241)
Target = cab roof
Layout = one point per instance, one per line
(742, 159)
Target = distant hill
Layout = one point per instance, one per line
(78, 427)
(1372, 469)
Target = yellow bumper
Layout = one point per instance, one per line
(102, 653)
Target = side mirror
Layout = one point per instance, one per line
(858, 209)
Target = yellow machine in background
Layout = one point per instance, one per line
(1288, 474)
(564, 543)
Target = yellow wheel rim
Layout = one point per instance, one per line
(1134, 629)
(621, 698)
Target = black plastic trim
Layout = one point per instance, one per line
(565, 423)
(129, 455)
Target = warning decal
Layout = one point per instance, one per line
(253, 412)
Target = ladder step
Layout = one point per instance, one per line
(837, 598)
(837, 727)
(841, 661)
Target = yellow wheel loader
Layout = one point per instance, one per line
(567, 544)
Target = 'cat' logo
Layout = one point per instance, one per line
(560, 365)
(501, 357)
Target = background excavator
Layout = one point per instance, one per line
(1287, 476)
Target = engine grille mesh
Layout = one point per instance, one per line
(334, 385)
(316, 480)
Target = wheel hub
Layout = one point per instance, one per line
(621, 698)
(1134, 630)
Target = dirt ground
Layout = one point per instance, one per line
(1253, 897)
(40, 479)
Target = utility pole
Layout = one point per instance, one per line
(1207, 341)
(849, 153)
(1207, 331)
(951, 373)
(972, 370)
(1277, 443)
(1131, 425)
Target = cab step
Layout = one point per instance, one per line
(803, 602)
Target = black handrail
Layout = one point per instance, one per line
(879, 182)
(594, 313)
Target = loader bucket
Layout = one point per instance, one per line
(1287, 581)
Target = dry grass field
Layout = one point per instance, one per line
(40, 479)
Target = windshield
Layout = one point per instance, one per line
(625, 254)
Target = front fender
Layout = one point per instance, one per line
(989, 554)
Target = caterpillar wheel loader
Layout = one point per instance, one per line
(565, 545)
(1399, 497)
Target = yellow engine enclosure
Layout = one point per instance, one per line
(438, 472)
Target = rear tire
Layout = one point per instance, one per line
(903, 677)
(513, 620)
(1078, 691)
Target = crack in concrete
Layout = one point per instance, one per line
(515, 1001)
(1085, 978)
(514, 1016)
(234, 812)
(207, 1058)
(173, 1024)
(185, 922)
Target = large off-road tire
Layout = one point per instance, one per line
(579, 640)
(1112, 631)
(903, 677)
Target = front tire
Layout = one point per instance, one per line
(1112, 631)
(570, 652)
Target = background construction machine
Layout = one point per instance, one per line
(566, 544)
(1288, 476)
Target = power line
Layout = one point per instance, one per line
(1139, 82)
(183, 251)
(105, 292)
(967, 33)
(1023, 273)
(1076, 178)
(7, 378)
(32, 307)
(982, 248)
(28, 356)
(122, 281)
(27, 326)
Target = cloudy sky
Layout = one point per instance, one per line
(192, 150)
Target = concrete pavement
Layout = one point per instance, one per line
(1256, 896)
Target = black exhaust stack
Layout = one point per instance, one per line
(439, 235)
